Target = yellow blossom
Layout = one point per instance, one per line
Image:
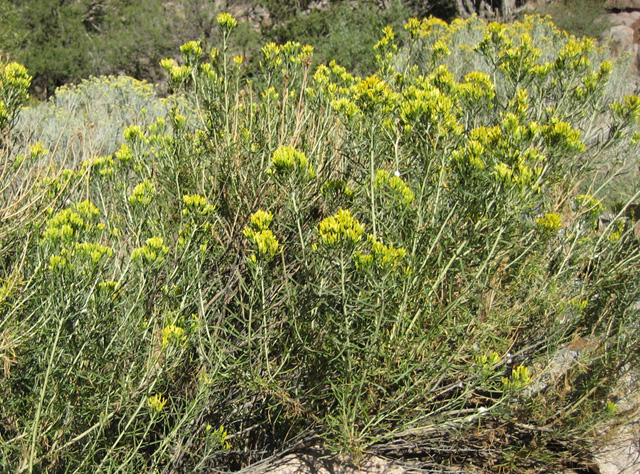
(340, 230)
(172, 334)
(156, 403)
(225, 20)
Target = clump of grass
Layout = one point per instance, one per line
(316, 255)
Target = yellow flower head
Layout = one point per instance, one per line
(191, 50)
(153, 251)
(340, 230)
(286, 160)
(520, 378)
(549, 223)
(261, 220)
(225, 20)
(143, 193)
(172, 334)
(156, 403)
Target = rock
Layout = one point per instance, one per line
(316, 461)
(623, 18)
(621, 38)
(618, 449)
(620, 453)
(623, 5)
(563, 360)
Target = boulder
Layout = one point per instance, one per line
(621, 37)
(623, 18)
(316, 461)
(623, 4)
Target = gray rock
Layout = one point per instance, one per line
(316, 461)
(621, 37)
(623, 4)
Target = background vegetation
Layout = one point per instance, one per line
(581, 17)
(63, 42)
(406, 260)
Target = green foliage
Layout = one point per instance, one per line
(344, 32)
(85, 120)
(302, 253)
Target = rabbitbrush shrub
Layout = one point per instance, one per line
(307, 256)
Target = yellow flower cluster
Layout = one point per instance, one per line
(143, 193)
(58, 263)
(477, 90)
(593, 82)
(628, 108)
(372, 94)
(439, 50)
(172, 334)
(109, 288)
(395, 185)
(14, 86)
(156, 403)
(574, 56)
(67, 224)
(261, 237)
(226, 21)
(220, 436)
(124, 154)
(66, 228)
(154, 251)
(287, 160)
(487, 362)
(520, 62)
(37, 151)
(340, 230)
(520, 175)
(92, 251)
(103, 164)
(388, 35)
(196, 204)
(381, 256)
(561, 136)
(177, 74)
(261, 220)
(426, 109)
(345, 107)
(520, 378)
(133, 133)
(549, 223)
(14, 75)
(284, 56)
(81, 252)
(427, 27)
(191, 52)
(473, 154)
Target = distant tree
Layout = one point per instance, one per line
(10, 31)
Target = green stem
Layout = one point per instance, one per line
(43, 391)
(345, 316)
(265, 332)
(225, 46)
(299, 225)
(372, 180)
